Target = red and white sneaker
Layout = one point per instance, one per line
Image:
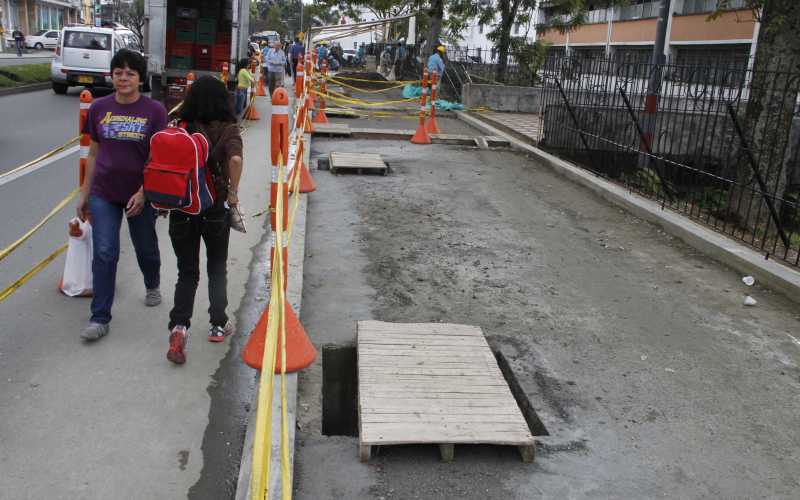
(177, 345)
(218, 333)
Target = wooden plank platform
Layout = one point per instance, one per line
(433, 383)
(357, 163)
(332, 129)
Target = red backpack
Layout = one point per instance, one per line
(176, 177)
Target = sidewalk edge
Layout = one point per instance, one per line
(24, 88)
(294, 295)
(717, 246)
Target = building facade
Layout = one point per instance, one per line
(35, 15)
(629, 32)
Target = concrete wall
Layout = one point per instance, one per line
(502, 98)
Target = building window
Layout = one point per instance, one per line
(480, 29)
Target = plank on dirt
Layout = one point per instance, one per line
(435, 384)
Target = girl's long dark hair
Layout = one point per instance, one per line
(207, 101)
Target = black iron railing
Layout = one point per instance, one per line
(720, 146)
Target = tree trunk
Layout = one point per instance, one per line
(436, 14)
(508, 11)
(767, 122)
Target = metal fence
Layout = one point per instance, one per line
(722, 147)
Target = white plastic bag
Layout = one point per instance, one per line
(78, 266)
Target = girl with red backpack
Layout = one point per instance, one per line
(206, 110)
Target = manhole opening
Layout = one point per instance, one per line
(339, 390)
(535, 424)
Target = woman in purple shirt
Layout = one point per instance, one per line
(120, 126)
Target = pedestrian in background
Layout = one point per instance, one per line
(244, 81)
(207, 110)
(276, 62)
(19, 40)
(436, 61)
(120, 126)
(295, 53)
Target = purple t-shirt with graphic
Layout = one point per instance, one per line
(123, 132)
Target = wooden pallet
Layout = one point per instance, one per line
(332, 129)
(433, 383)
(357, 163)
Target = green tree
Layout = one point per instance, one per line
(487, 12)
(132, 16)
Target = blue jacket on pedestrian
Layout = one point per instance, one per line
(435, 62)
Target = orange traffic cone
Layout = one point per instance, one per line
(320, 117)
(421, 135)
(261, 92)
(252, 113)
(307, 183)
(300, 352)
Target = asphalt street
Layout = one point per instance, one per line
(115, 419)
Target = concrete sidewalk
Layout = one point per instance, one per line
(115, 419)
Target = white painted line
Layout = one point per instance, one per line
(794, 339)
(41, 164)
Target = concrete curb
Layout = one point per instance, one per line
(717, 246)
(294, 295)
(25, 88)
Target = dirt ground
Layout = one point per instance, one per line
(651, 377)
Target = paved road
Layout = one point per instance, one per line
(114, 419)
(32, 57)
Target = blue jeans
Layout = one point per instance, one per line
(106, 223)
(241, 100)
(20, 46)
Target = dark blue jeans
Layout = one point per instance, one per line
(106, 223)
(241, 100)
(20, 46)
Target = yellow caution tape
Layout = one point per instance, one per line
(10, 248)
(41, 158)
(30, 274)
(351, 79)
(366, 91)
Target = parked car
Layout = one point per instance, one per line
(83, 56)
(42, 39)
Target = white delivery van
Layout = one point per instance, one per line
(83, 56)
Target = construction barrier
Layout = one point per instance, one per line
(323, 91)
(421, 135)
(432, 127)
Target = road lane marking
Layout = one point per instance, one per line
(37, 166)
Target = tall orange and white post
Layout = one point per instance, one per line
(320, 117)
(432, 127)
(252, 113)
(421, 135)
(84, 142)
(300, 352)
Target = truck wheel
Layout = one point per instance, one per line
(60, 88)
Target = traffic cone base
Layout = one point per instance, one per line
(421, 136)
(320, 117)
(307, 183)
(252, 114)
(431, 127)
(300, 352)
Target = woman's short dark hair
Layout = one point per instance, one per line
(207, 101)
(133, 60)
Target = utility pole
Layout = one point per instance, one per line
(300, 30)
(654, 82)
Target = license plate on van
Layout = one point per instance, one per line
(85, 79)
